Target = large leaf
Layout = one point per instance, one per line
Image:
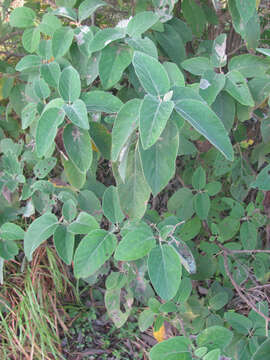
(180, 203)
(262, 181)
(39, 230)
(246, 9)
(144, 45)
(101, 101)
(22, 17)
(164, 268)
(61, 41)
(78, 146)
(135, 244)
(92, 252)
(135, 192)
(141, 22)
(105, 37)
(114, 60)
(31, 39)
(262, 351)
(249, 65)
(51, 73)
(154, 114)
(197, 65)
(224, 107)
(237, 87)
(77, 113)
(206, 122)
(47, 129)
(88, 7)
(28, 62)
(101, 138)
(167, 41)
(69, 84)
(158, 161)
(74, 176)
(210, 85)
(111, 205)
(215, 337)
(10, 232)
(64, 243)
(84, 224)
(152, 75)
(175, 348)
(126, 122)
(194, 15)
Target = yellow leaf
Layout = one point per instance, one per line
(159, 335)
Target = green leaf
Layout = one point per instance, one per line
(202, 205)
(51, 73)
(47, 129)
(77, 113)
(29, 114)
(224, 107)
(88, 7)
(199, 178)
(105, 37)
(135, 244)
(8, 249)
(218, 301)
(249, 65)
(40, 230)
(210, 85)
(78, 147)
(262, 181)
(146, 319)
(10, 231)
(264, 51)
(164, 268)
(41, 89)
(260, 89)
(49, 24)
(238, 322)
(151, 74)
(154, 114)
(175, 75)
(84, 224)
(205, 121)
(114, 60)
(215, 337)
(74, 176)
(89, 202)
(28, 62)
(185, 254)
(69, 84)
(194, 16)
(111, 205)
(135, 192)
(101, 101)
(213, 188)
(246, 9)
(61, 41)
(144, 45)
(64, 243)
(180, 203)
(126, 122)
(248, 235)
(31, 39)
(92, 252)
(191, 228)
(158, 161)
(69, 210)
(66, 12)
(197, 65)
(101, 138)
(43, 167)
(219, 57)
(115, 301)
(184, 291)
(175, 348)
(22, 17)
(212, 355)
(263, 351)
(141, 22)
(237, 87)
(167, 41)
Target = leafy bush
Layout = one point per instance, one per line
(100, 125)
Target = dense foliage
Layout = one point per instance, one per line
(141, 150)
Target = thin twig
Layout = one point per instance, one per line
(9, 36)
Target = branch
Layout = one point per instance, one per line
(9, 36)
(242, 296)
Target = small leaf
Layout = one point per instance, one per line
(248, 235)
(199, 178)
(101, 101)
(43, 167)
(69, 84)
(237, 87)
(262, 181)
(69, 210)
(92, 252)
(105, 37)
(172, 349)
(28, 62)
(215, 337)
(84, 224)
(39, 231)
(64, 243)
(164, 268)
(111, 205)
(51, 73)
(31, 39)
(146, 319)
(194, 16)
(77, 113)
(10, 231)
